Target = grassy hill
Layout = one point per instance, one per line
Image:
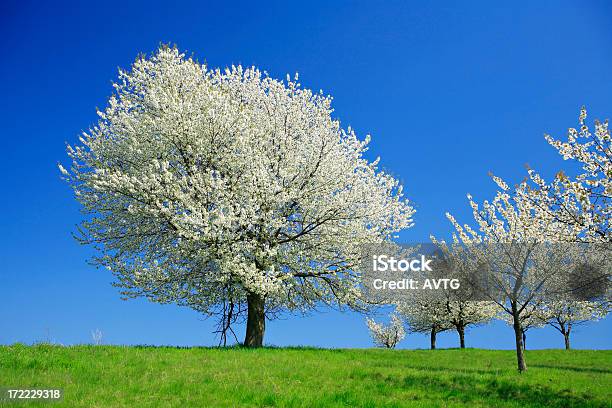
(109, 376)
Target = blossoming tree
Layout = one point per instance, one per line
(229, 192)
(522, 261)
(463, 307)
(462, 314)
(565, 313)
(425, 312)
(387, 335)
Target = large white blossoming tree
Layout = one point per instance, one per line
(230, 192)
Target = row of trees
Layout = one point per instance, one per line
(542, 248)
(562, 316)
(240, 196)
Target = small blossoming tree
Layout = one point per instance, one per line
(425, 312)
(387, 335)
(229, 192)
(463, 307)
(564, 314)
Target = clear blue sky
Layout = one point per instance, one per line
(448, 92)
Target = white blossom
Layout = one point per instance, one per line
(582, 201)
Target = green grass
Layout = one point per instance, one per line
(111, 376)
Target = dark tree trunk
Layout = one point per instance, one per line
(256, 321)
(566, 337)
(524, 340)
(518, 336)
(461, 331)
(433, 339)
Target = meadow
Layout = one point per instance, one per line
(122, 376)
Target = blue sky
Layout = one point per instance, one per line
(449, 92)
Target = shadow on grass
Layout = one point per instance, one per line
(268, 349)
(469, 389)
(465, 370)
(576, 369)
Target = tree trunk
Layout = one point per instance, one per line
(256, 321)
(461, 331)
(524, 339)
(433, 339)
(566, 336)
(518, 336)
